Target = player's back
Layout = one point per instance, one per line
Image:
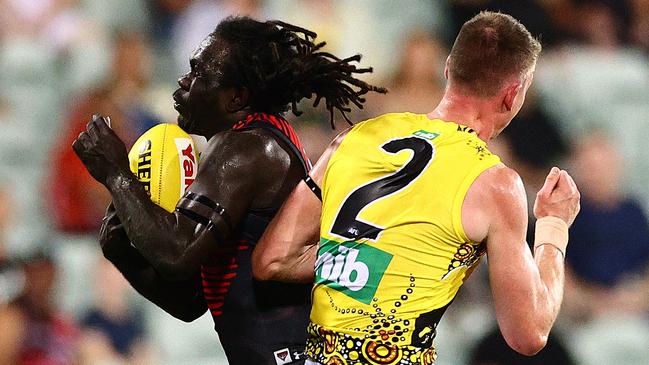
(393, 252)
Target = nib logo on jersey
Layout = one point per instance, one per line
(353, 268)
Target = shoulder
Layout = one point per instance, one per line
(243, 148)
(502, 180)
(497, 197)
(506, 200)
(502, 189)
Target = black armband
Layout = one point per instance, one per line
(205, 211)
(313, 187)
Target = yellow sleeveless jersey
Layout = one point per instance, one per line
(393, 252)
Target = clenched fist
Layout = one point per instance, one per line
(101, 150)
(559, 197)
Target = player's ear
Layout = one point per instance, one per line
(238, 99)
(510, 93)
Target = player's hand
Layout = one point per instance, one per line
(101, 150)
(559, 197)
(112, 236)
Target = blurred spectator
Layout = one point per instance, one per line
(493, 350)
(57, 23)
(640, 23)
(113, 332)
(608, 254)
(373, 28)
(11, 277)
(6, 205)
(321, 16)
(601, 83)
(33, 331)
(50, 31)
(164, 14)
(77, 201)
(118, 15)
(417, 85)
(602, 22)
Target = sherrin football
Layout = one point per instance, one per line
(165, 160)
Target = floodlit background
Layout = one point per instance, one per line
(62, 60)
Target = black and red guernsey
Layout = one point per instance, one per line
(257, 322)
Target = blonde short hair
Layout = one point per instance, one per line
(490, 48)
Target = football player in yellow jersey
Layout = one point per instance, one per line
(410, 203)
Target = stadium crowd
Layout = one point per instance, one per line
(63, 60)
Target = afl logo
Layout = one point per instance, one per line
(187, 159)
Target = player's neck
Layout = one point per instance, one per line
(475, 113)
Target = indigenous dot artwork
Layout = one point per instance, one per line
(466, 255)
(385, 341)
(480, 149)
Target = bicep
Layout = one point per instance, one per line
(495, 211)
(226, 184)
(511, 265)
(506, 247)
(513, 274)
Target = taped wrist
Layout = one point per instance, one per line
(551, 231)
(206, 212)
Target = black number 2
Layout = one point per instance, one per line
(346, 224)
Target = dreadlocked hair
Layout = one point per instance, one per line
(280, 64)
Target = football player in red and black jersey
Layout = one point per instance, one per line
(243, 77)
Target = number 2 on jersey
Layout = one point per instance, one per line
(346, 223)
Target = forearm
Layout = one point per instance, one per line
(550, 265)
(183, 300)
(297, 268)
(528, 303)
(151, 229)
(525, 297)
(550, 242)
(527, 292)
